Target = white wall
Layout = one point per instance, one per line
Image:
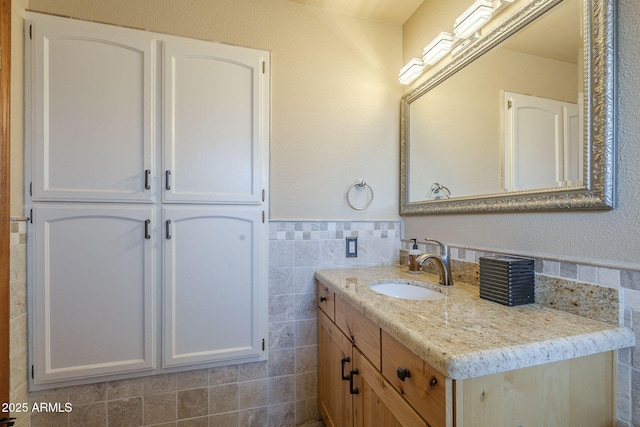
(335, 95)
(17, 107)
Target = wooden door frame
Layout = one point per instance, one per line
(5, 103)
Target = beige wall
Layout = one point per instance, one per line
(461, 120)
(613, 236)
(334, 96)
(17, 106)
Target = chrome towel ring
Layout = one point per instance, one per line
(439, 191)
(360, 185)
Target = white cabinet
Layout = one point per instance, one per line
(94, 304)
(213, 123)
(212, 262)
(92, 111)
(147, 158)
(543, 143)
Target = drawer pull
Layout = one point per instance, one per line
(343, 361)
(433, 382)
(351, 374)
(323, 299)
(403, 373)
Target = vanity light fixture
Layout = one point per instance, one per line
(473, 18)
(438, 48)
(411, 71)
(497, 4)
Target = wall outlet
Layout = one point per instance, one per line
(352, 247)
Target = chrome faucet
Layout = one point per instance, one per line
(442, 261)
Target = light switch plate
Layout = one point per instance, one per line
(352, 247)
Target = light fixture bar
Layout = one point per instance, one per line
(473, 18)
(497, 4)
(411, 71)
(437, 49)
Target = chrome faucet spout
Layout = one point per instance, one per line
(442, 261)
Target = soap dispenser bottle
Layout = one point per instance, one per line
(414, 266)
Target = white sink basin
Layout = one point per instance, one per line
(406, 291)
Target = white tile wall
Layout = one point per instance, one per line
(282, 391)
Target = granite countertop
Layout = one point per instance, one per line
(463, 336)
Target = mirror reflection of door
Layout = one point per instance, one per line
(543, 147)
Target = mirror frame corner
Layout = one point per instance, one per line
(599, 122)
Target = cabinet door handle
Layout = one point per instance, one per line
(147, 173)
(343, 361)
(403, 373)
(323, 299)
(351, 374)
(167, 225)
(167, 180)
(146, 229)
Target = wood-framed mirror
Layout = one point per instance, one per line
(473, 138)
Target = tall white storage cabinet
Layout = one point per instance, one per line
(147, 165)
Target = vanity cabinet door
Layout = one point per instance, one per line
(376, 403)
(334, 364)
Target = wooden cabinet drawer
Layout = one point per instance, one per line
(325, 300)
(428, 391)
(362, 332)
(376, 403)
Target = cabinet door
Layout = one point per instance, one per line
(215, 299)
(375, 401)
(92, 265)
(543, 148)
(334, 364)
(215, 123)
(91, 108)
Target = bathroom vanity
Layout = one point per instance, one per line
(458, 360)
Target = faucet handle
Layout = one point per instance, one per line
(444, 249)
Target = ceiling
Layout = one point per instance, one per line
(392, 11)
(554, 35)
